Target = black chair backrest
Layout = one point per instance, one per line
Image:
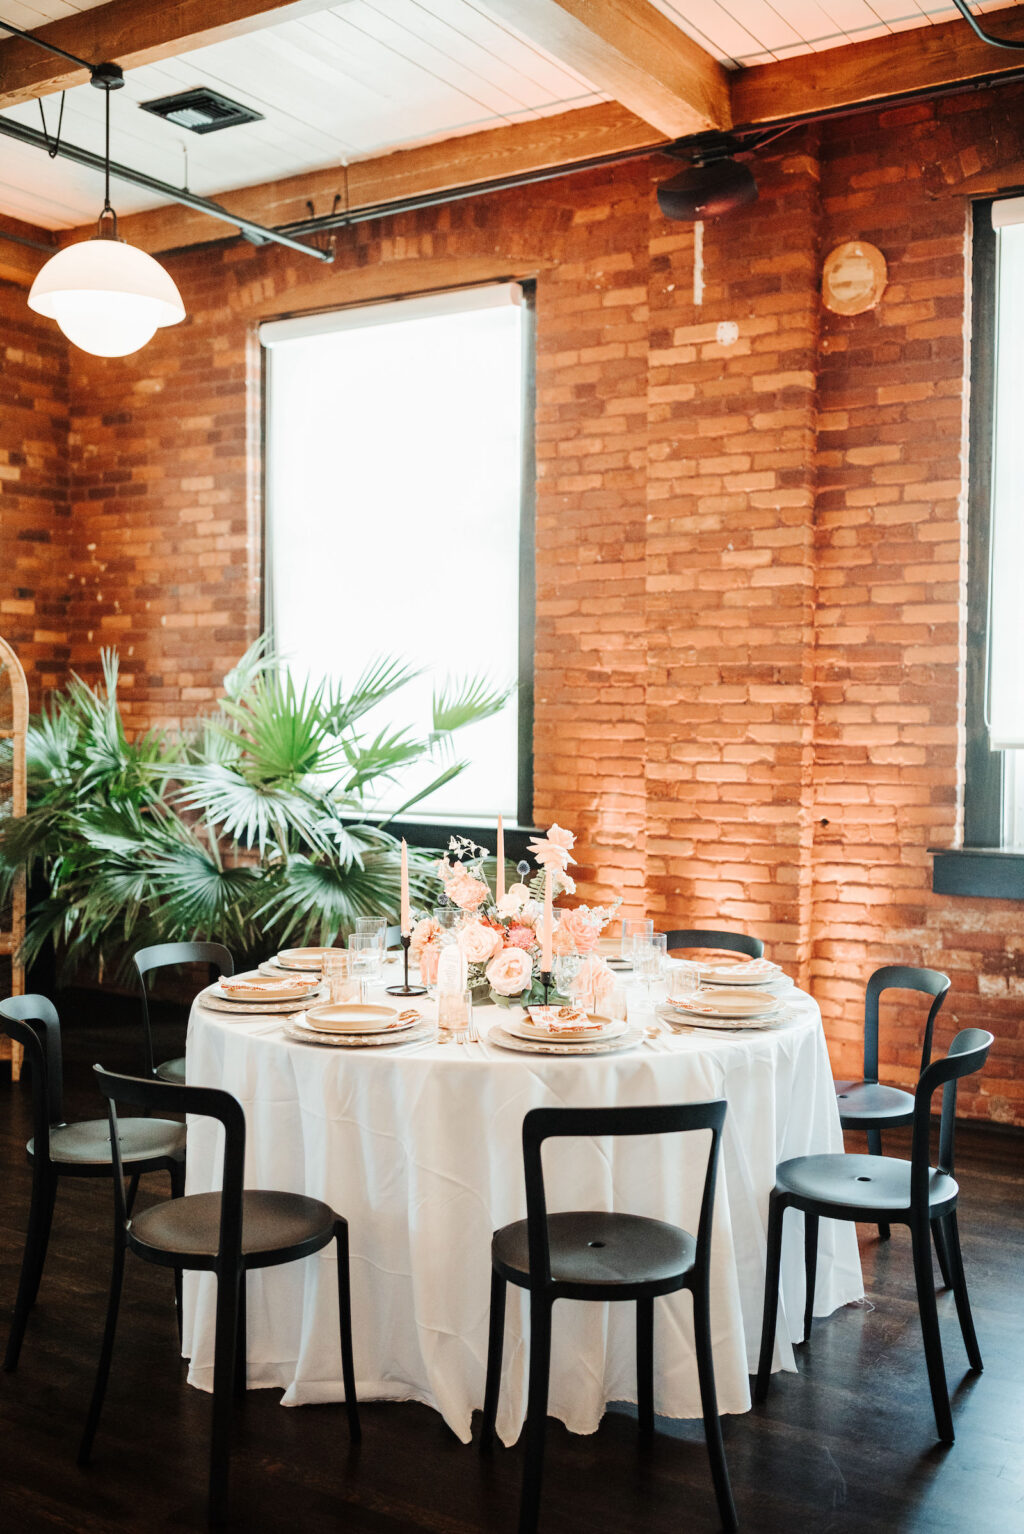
(157, 1097)
(33, 1023)
(967, 1054)
(542, 1124)
(733, 942)
(393, 937)
(900, 977)
(162, 956)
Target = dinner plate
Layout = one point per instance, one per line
(356, 1017)
(302, 958)
(262, 988)
(732, 972)
(214, 1003)
(499, 1035)
(422, 1031)
(725, 1003)
(601, 1028)
(685, 1022)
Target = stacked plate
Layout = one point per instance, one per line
(359, 1026)
(562, 1031)
(256, 992)
(722, 1008)
(295, 961)
(733, 972)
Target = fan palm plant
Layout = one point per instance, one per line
(255, 828)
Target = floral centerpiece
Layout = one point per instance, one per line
(501, 935)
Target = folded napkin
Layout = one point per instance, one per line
(564, 1020)
(265, 988)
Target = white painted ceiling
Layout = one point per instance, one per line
(363, 77)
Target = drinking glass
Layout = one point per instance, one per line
(367, 957)
(344, 986)
(454, 1016)
(649, 952)
(634, 928)
(564, 971)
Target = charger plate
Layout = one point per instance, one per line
(293, 988)
(723, 1003)
(683, 1022)
(412, 1035)
(732, 971)
(355, 1017)
(306, 959)
(214, 1003)
(505, 1040)
(526, 1028)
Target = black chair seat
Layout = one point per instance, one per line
(875, 1184)
(173, 1071)
(271, 1223)
(88, 1143)
(867, 1104)
(596, 1249)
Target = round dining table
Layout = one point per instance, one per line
(419, 1147)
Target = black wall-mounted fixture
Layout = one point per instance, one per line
(713, 183)
(986, 37)
(201, 110)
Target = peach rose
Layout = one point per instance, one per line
(430, 955)
(580, 927)
(465, 891)
(520, 937)
(513, 900)
(551, 852)
(424, 932)
(593, 978)
(511, 972)
(479, 943)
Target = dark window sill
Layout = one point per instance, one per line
(985, 871)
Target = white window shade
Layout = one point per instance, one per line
(393, 508)
(1005, 711)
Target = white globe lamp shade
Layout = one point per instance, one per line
(106, 296)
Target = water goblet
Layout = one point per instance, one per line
(632, 928)
(366, 956)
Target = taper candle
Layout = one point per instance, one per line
(406, 920)
(499, 873)
(545, 952)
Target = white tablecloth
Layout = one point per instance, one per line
(421, 1152)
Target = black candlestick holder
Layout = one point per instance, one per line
(545, 980)
(406, 989)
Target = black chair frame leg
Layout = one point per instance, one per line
(645, 1367)
(875, 1149)
(37, 1238)
(348, 1371)
(223, 1391)
(495, 1348)
(810, 1270)
(709, 1409)
(941, 1239)
(776, 1210)
(536, 1411)
(106, 1355)
(959, 1284)
(925, 1278)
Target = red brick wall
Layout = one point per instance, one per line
(750, 555)
(35, 555)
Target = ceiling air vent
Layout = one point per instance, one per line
(201, 110)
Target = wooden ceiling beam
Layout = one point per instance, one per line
(130, 33)
(921, 59)
(541, 144)
(632, 51)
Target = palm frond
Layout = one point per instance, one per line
(254, 814)
(379, 680)
(442, 778)
(380, 758)
(258, 660)
(465, 702)
(279, 731)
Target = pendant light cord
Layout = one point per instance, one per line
(108, 211)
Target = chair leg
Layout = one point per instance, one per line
(106, 1354)
(223, 1391)
(930, 1329)
(241, 1343)
(536, 1410)
(133, 1188)
(495, 1347)
(348, 1371)
(810, 1269)
(645, 1366)
(776, 1210)
(941, 1239)
(709, 1409)
(875, 1149)
(177, 1175)
(959, 1282)
(37, 1238)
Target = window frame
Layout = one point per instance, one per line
(427, 832)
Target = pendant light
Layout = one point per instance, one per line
(106, 296)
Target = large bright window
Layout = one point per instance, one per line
(394, 446)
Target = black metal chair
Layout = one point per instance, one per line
(732, 942)
(227, 1234)
(59, 1149)
(870, 1188)
(163, 956)
(871, 1106)
(594, 1255)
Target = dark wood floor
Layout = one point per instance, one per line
(847, 1445)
